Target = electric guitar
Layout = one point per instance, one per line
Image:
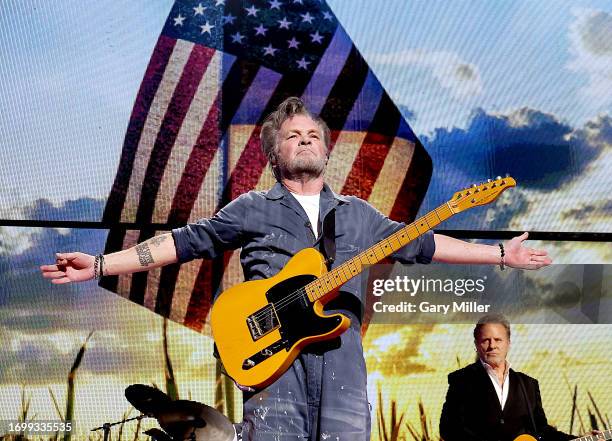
(605, 435)
(261, 326)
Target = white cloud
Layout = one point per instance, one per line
(590, 36)
(15, 240)
(459, 77)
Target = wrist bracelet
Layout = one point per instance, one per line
(502, 258)
(101, 266)
(96, 261)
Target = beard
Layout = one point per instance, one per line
(303, 167)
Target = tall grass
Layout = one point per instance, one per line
(388, 430)
(171, 385)
(71, 387)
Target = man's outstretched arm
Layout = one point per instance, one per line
(79, 267)
(516, 255)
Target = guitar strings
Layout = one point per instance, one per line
(295, 295)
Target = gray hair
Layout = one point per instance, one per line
(499, 319)
(271, 126)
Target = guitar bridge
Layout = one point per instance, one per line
(263, 322)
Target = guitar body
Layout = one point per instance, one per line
(525, 437)
(604, 436)
(261, 326)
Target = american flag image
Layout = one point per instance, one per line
(192, 142)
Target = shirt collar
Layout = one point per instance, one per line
(279, 191)
(489, 368)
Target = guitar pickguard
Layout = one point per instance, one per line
(292, 313)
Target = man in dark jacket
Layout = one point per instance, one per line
(488, 400)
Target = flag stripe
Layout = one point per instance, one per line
(200, 298)
(365, 105)
(152, 79)
(208, 195)
(187, 139)
(348, 141)
(327, 71)
(163, 96)
(191, 72)
(197, 166)
(236, 85)
(374, 149)
(211, 272)
(153, 283)
(255, 99)
(345, 91)
(414, 185)
(182, 291)
(341, 162)
(173, 118)
(139, 280)
(386, 190)
(125, 281)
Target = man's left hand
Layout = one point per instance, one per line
(519, 256)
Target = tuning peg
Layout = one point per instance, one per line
(488, 180)
(474, 186)
(498, 178)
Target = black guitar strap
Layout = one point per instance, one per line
(329, 238)
(535, 429)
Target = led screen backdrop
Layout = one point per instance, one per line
(487, 88)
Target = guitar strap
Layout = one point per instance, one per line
(535, 429)
(329, 238)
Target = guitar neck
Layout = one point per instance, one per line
(605, 435)
(326, 284)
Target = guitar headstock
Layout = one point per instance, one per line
(480, 194)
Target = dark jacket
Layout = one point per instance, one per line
(472, 411)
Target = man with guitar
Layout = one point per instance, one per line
(318, 388)
(489, 401)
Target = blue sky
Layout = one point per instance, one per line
(521, 50)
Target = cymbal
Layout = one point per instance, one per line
(146, 399)
(181, 418)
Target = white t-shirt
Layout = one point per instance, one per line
(310, 204)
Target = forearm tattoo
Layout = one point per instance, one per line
(144, 254)
(157, 240)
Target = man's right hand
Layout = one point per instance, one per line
(70, 267)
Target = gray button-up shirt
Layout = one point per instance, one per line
(270, 227)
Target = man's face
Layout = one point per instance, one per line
(492, 344)
(301, 149)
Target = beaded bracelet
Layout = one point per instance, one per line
(96, 261)
(502, 260)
